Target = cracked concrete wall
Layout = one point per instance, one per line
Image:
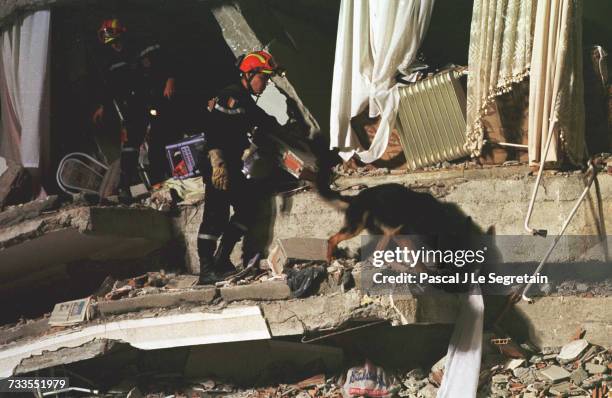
(498, 201)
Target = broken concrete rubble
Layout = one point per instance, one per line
(156, 301)
(174, 330)
(540, 377)
(416, 383)
(286, 317)
(268, 290)
(285, 251)
(72, 234)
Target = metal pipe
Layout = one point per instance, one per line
(67, 389)
(509, 144)
(593, 171)
(540, 232)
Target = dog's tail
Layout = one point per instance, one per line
(326, 160)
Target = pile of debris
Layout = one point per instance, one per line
(577, 369)
(368, 380)
(151, 282)
(314, 387)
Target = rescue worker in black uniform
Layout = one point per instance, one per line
(138, 82)
(232, 116)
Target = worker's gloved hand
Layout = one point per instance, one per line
(220, 176)
(169, 88)
(98, 115)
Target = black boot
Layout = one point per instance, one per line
(223, 264)
(206, 250)
(129, 174)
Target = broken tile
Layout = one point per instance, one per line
(578, 376)
(500, 378)
(514, 363)
(572, 350)
(520, 372)
(555, 373)
(593, 368)
(562, 389)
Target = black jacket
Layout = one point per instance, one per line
(231, 116)
(137, 71)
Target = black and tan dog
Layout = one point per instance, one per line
(390, 210)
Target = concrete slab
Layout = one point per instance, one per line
(299, 316)
(31, 328)
(17, 214)
(555, 373)
(497, 197)
(268, 290)
(283, 251)
(242, 323)
(551, 321)
(65, 356)
(99, 233)
(265, 358)
(161, 300)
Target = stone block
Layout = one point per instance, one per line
(160, 300)
(264, 291)
(555, 373)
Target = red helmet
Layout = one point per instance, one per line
(259, 62)
(110, 30)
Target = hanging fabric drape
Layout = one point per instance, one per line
(462, 368)
(499, 55)
(375, 38)
(556, 103)
(24, 92)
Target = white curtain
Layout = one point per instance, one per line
(462, 368)
(24, 90)
(556, 103)
(501, 36)
(375, 38)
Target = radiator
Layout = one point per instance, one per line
(431, 120)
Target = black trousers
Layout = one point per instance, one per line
(159, 132)
(136, 121)
(240, 196)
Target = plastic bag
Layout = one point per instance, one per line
(369, 381)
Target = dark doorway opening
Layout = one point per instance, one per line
(186, 30)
